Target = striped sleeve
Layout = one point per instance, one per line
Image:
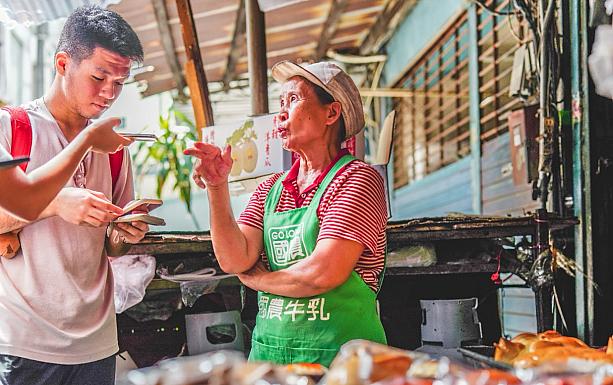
(354, 208)
(253, 215)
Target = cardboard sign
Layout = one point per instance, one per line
(257, 149)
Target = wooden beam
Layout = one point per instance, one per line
(240, 27)
(194, 68)
(403, 93)
(394, 12)
(161, 15)
(330, 25)
(256, 52)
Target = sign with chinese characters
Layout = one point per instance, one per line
(257, 149)
(292, 309)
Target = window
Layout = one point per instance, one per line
(498, 38)
(433, 119)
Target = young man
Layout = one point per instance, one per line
(57, 318)
(26, 196)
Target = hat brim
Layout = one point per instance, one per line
(284, 70)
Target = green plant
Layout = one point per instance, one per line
(165, 156)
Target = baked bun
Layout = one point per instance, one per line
(529, 349)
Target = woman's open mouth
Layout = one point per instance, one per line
(282, 132)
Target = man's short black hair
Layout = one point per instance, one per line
(93, 26)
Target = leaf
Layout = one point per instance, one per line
(166, 156)
(161, 179)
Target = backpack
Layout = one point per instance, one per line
(21, 145)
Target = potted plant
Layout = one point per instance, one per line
(165, 156)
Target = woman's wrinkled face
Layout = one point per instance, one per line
(302, 118)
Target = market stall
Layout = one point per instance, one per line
(449, 257)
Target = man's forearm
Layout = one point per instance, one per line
(40, 187)
(229, 243)
(9, 223)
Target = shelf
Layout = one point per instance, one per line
(174, 243)
(413, 230)
(468, 227)
(449, 268)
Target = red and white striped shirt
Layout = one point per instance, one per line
(353, 207)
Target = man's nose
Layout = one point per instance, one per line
(108, 91)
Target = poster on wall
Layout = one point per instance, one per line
(257, 149)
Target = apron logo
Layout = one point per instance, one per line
(287, 244)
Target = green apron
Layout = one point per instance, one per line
(294, 330)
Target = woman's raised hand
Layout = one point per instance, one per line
(213, 165)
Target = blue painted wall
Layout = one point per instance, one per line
(500, 195)
(422, 24)
(445, 190)
(448, 189)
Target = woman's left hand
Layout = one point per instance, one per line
(251, 277)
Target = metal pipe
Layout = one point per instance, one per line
(544, 116)
(474, 111)
(584, 292)
(544, 293)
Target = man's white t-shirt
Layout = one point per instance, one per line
(4, 155)
(56, 294)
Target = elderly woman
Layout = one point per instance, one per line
(311, 241)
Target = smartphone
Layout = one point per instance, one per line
(14, 162)
(141, 217)
(141, 137)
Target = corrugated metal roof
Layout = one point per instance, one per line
(32, 12)
(292, 33)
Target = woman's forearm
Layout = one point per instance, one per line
(328, 267)
(230, 245)
(290, 282)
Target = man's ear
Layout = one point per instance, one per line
(334, 113)
(61, 62)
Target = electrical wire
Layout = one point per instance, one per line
(491, 10)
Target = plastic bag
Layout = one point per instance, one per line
(132, 274)
(157, 305)
(362, 362)
(453, 374)
(573, 374)
(195, 284)
(600, 61)
(415, 255)
(573, 371)
(218, 368)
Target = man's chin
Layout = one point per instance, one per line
(93, 115)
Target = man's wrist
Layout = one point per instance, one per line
(85, 139)
(50, 210)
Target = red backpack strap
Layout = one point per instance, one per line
(21, 133)
(115, 160)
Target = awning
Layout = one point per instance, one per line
(294, 32)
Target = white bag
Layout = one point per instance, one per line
(132, 274)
